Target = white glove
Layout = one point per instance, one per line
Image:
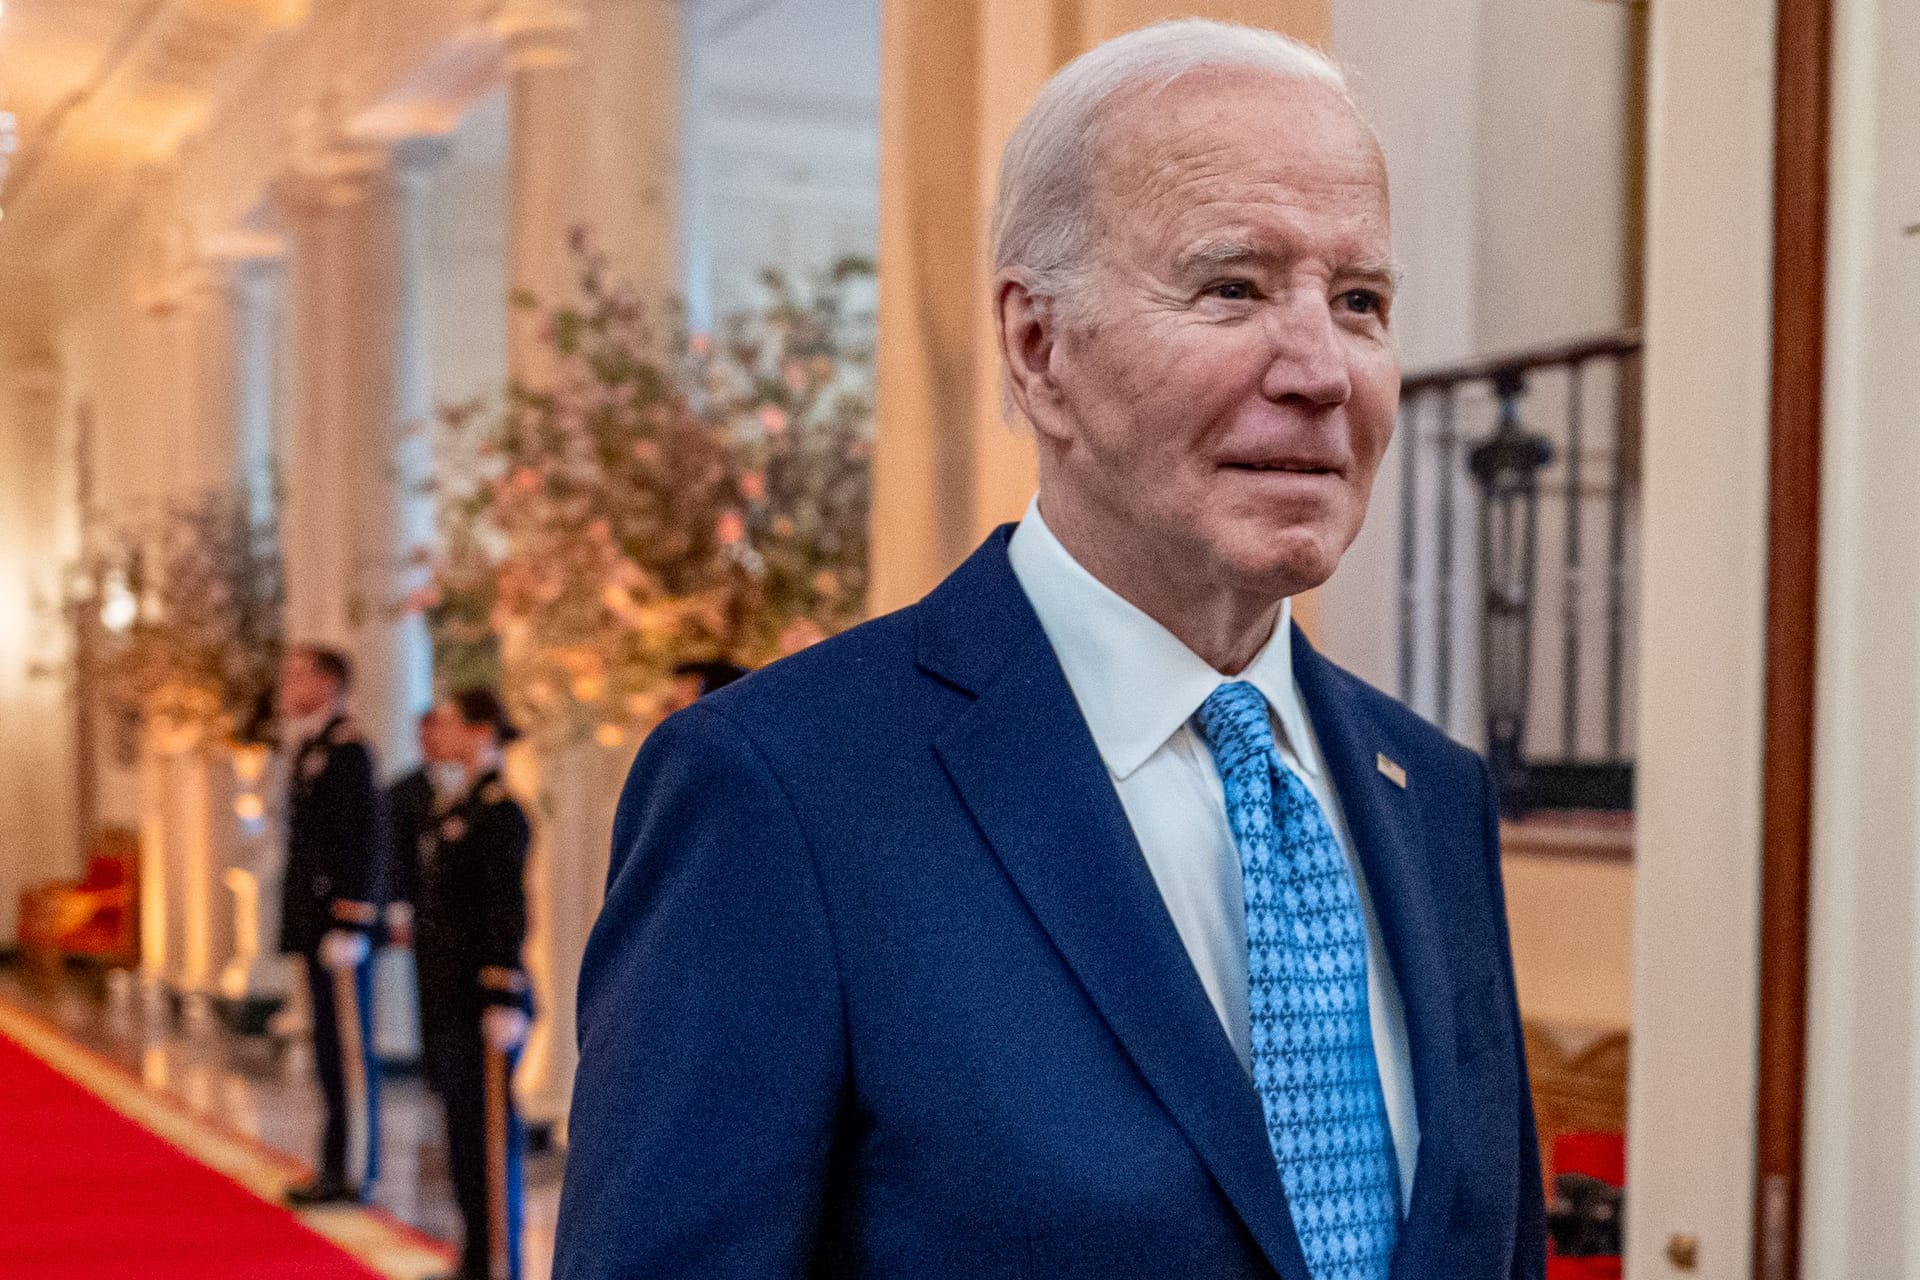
(343, 948)
(504, 1028)
(399, 924)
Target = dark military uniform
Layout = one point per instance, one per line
(410, 811)
(469, 923)
(336, 855)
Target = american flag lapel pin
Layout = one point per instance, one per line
(1394, 773)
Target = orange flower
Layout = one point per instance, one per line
(773, 418)
(731, 528)
(753, 486)
(648, 451)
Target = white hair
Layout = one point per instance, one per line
(1043, 216)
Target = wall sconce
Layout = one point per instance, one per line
(250, 762)
(119, 607)
(249, 772)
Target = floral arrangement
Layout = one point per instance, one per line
(654, 499)
(180, 608)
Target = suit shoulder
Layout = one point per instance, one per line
(823, 680)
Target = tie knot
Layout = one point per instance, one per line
(1234, 722)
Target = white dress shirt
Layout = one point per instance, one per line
(1139, 687)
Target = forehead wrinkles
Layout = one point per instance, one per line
(1165, 154)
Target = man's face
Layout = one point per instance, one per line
(1225, 380)
(304, 688)
(438, 744)
(686, 692)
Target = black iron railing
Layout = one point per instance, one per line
(1518, 564)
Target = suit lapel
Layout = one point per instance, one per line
(1385, 821)
(1023, 761)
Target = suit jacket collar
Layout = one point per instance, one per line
(1387, 826)
(1025, 764)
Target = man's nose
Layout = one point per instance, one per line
(1307, 361)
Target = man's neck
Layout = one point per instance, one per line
(483, 762)
(310, 725)
(1226, 629)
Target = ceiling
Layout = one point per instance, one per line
(102, 88)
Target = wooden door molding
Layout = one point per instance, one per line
(1801, 131)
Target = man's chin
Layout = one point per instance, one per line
(1286, 566)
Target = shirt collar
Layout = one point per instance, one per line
(307, 729)
(1135, 682)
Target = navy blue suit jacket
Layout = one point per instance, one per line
(883, 987)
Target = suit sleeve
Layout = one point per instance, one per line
(503, 979)
(1530, 1243)
(712, 1030)
(359, 838)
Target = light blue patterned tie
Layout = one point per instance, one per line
(1313, 1058)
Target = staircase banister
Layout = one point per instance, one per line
(1488, 368)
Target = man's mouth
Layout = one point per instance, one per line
(1290, 468)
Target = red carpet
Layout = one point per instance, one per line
(87, 1194)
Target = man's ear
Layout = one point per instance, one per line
(1026, 325)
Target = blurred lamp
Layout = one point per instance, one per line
(118, 605)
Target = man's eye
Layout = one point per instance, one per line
(1234, 290)
(1363, 302)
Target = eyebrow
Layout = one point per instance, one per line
(1384, 271)
(1228, 253)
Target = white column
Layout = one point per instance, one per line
(546, 184)
(194, 318)
(1861, 1174)
(546, 161)
(566, 882)
(208, 332)
(39, 834)
(164, 365)
(359, 367)
(1698, 784)
(261, 284)
(632, 63)
(412, 437)
(312, 536)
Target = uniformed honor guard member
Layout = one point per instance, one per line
(469, 923)
(413, 803)
(336, 844)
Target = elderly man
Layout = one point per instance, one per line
(1081, 920)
